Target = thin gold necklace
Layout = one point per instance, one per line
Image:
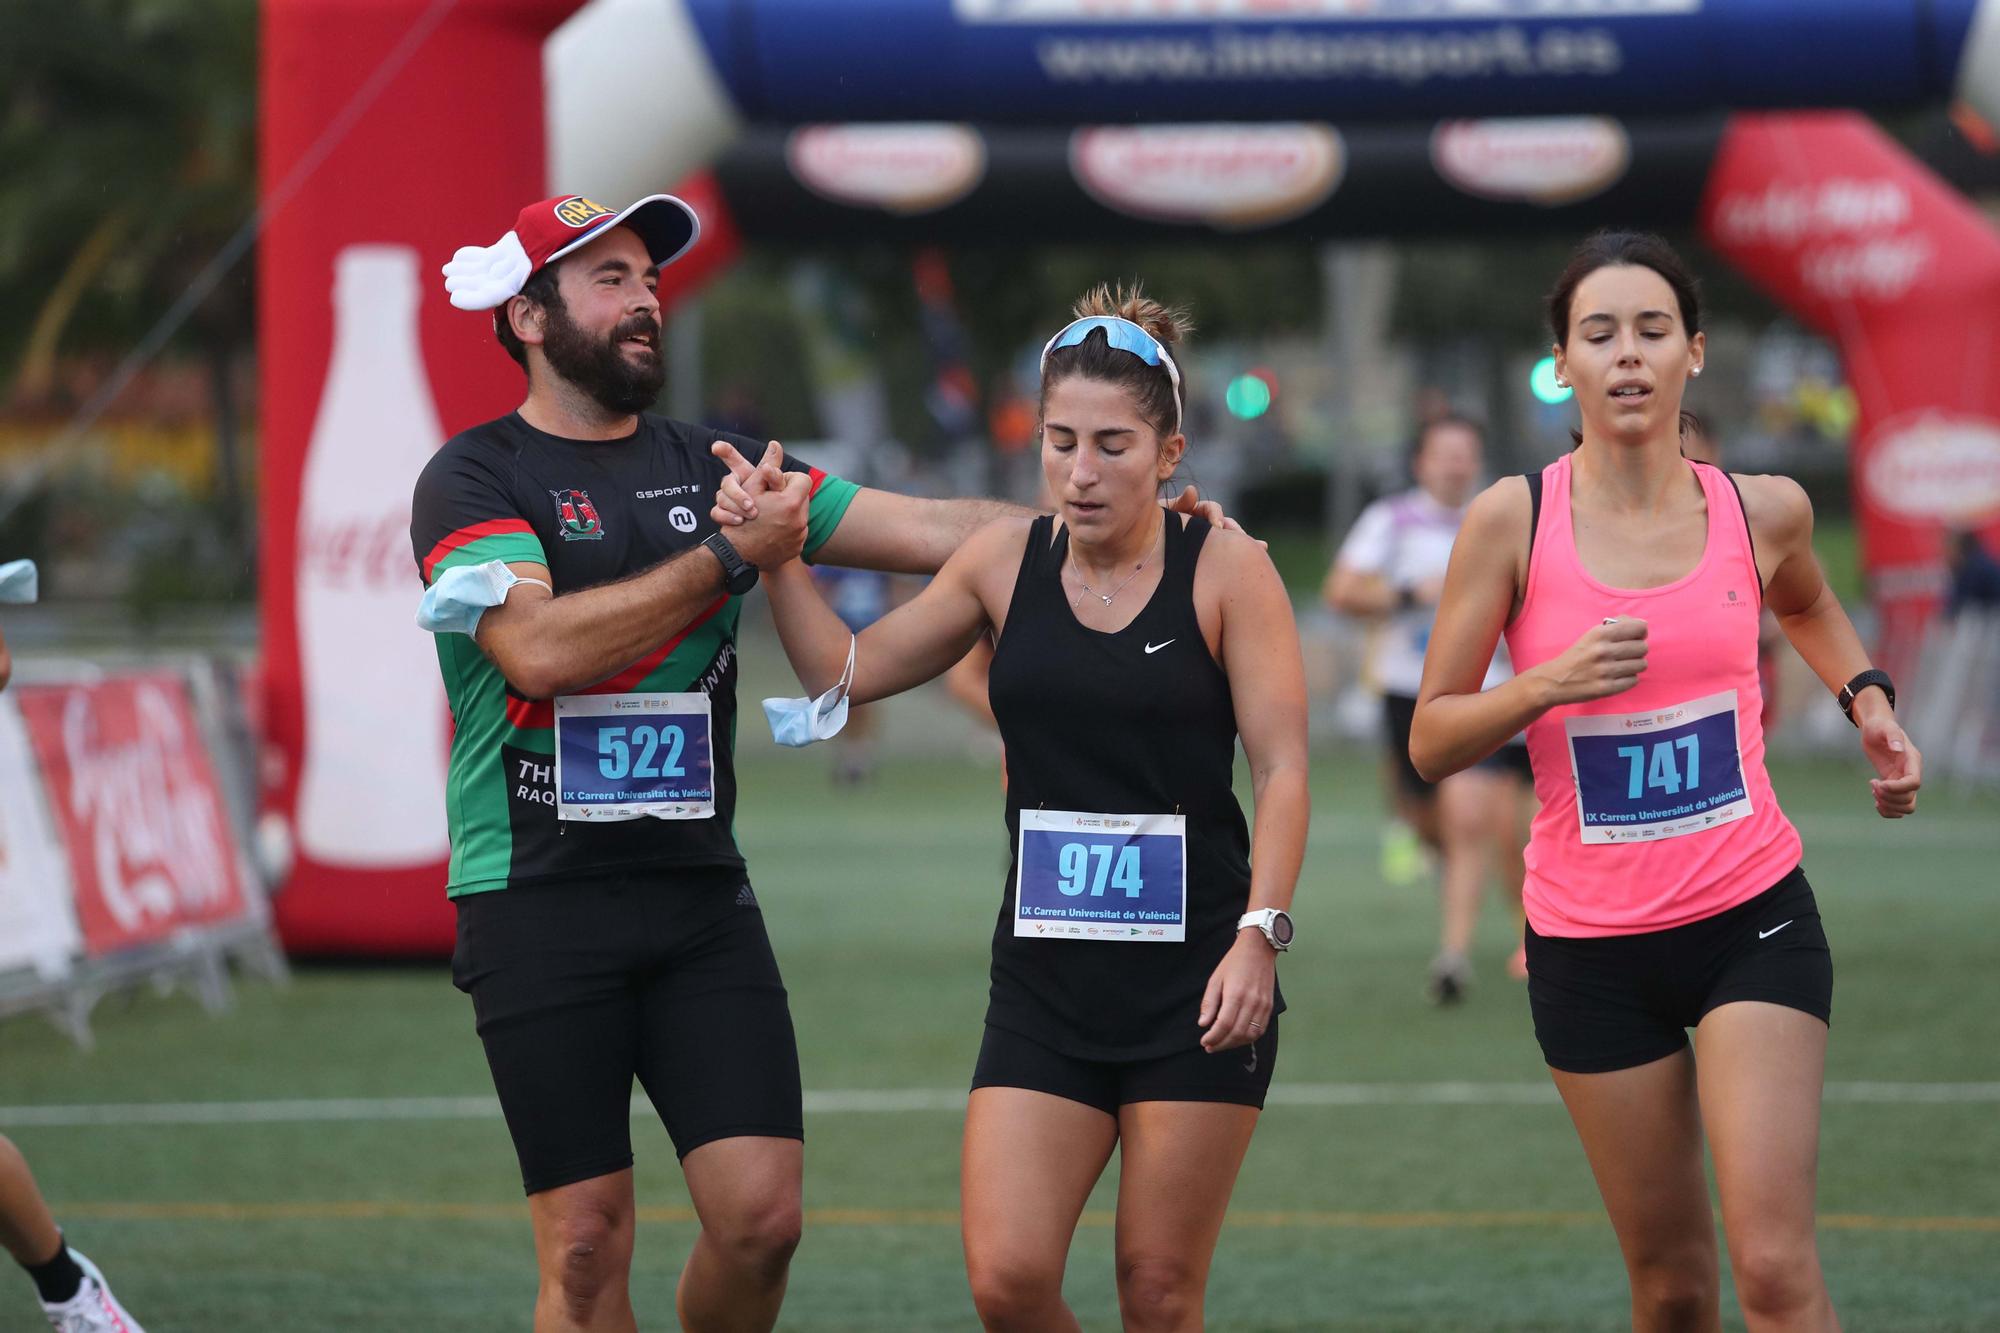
(1105, 597)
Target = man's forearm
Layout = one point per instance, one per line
(556, 645)
(947, 523)
(962, 518)
(903, 534)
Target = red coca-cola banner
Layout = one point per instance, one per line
(1847, 230)
(135, 795)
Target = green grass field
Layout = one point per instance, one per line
(1405, 1212)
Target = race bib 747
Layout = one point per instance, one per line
(1664, 773)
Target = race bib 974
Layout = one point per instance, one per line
(634, 756)
(1664, 773)
(1115, 878)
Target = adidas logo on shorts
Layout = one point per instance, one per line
(745, 898)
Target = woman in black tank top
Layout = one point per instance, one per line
(1134, 993)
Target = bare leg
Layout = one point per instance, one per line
(583, 1249)
(1421, 814)
(854, 748)
(27, 1229)
(1029, 1163)
(747, 1192)
(1641, 1130)
(1179, 1166)
(1467, 806)
(1512, 834)
(1762, 1067)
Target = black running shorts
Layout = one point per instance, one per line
(1618, 1001)
(1240, 1076)
(663, 975)
(1399, 711)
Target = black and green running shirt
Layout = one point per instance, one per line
(593, 512)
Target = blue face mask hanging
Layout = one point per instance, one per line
(19, 582)
(802, 721)
(455, 602)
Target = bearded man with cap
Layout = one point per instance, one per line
(586, 603)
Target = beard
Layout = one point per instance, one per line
(600, 366)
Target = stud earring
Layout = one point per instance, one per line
(1695, 371)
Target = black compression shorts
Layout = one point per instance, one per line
(663, 975)
(1620, 1001)
(1399, 711)
(1240, 1076)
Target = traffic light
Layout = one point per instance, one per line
(1249, 394)
(1542, 383)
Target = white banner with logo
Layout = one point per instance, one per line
(37, 924)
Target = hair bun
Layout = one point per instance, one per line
(1170, 324)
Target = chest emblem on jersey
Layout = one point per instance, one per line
(578, 516)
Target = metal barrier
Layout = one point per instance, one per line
(1953, 705)
(125, 805)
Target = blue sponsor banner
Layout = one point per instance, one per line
(1069, 61)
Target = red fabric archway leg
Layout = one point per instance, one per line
(1842, 226)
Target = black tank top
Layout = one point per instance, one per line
(1134, 722)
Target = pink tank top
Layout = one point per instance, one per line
(1656, 809)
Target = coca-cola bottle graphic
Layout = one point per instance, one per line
(371, 789)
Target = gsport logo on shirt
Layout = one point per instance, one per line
(578, 516)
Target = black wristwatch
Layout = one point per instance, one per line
(1872, 676)
(738, 575)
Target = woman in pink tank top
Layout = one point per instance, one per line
(1663, 890)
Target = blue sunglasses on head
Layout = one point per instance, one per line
(1126, 336)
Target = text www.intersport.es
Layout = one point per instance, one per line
(1413, 58)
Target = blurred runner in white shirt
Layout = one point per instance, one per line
(1390, 571)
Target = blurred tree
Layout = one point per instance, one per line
(129, 132)
(1499, 289)
(1009, 299)
(128, 127)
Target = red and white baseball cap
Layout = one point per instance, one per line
(482, 277)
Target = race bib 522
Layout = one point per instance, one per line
(634, 756)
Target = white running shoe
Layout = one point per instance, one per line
(93, 1309)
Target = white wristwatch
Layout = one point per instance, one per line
(1276, 925)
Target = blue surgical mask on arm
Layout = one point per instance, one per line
(803, 721)
(19, 582)
(457, 599)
